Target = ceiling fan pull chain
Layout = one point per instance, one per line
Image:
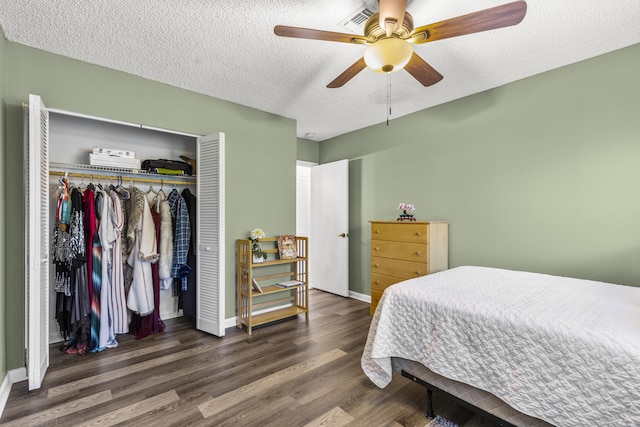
(388, 97)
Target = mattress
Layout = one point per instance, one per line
(561, 349)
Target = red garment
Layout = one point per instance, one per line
(89, 231)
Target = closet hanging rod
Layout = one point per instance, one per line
(123, 179)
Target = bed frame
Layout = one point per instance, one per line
(479, 401)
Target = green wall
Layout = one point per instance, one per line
(541, 174)
(260, 152)
(308, 151)
(3, 270)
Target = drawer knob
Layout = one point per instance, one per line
(377, 282)
(375, 231)
(417, 233)
(417, 273)
(377, 265)
(377, 249)
(417, 252)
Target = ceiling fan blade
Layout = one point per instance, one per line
(348, 74)
(421, 71)
(392, 14)
(308, 33)
(483, 20)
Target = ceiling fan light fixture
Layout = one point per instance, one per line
(388, 55)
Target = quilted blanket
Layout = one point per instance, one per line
(561, 349)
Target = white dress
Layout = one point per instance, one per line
(106, 336)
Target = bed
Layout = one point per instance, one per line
(554, 350)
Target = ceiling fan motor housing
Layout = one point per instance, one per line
(373, 31)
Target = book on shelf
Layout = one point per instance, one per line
(256, 286)
(287, 247)
(290, 284)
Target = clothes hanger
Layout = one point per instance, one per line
(82, 184)
(151, 190)
(161, 192)
(123, 191)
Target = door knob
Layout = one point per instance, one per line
(342, 235)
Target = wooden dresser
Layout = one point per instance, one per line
(404, 250)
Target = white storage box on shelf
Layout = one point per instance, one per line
(114, 158)
(115, 162)
(114, 152)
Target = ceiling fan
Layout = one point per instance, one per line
(389, 34)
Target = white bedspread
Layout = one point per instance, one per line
(560, 349)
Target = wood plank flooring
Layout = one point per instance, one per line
(291, 373)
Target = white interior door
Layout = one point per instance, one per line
(37, 242)
(329, 243)
(210, 231)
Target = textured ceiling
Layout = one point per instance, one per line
(227, 49)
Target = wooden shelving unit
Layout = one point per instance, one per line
(273, 303)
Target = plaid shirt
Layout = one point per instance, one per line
(181, 237)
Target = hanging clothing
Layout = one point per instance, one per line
(108, 233)
(165, 263)
(181, 237)
(76, 231)
(68, 254)
(144, 252)
(189, 298)
(107, 337)
(96, 276)
(151, 324)
(80, 308)
(117, 301)
(89, 230)
(81, 330)
(157, 325)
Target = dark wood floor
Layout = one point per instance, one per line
(293, 373)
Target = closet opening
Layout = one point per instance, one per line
(72, 139)
(112, 247)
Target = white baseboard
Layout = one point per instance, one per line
(360, 297)
(232, 321)
(17, 375)
(12, 377)
(5, 389)
(171, 315)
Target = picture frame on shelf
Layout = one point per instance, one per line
(256, 286)
(287, 247)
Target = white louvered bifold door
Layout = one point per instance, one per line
(210, 235)
(37, 242)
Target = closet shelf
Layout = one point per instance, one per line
(87, 171)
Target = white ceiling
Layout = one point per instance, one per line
(227, 49)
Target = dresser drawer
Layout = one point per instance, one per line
(381, 282)
(416, 252)
(398, 268)
(400, 232)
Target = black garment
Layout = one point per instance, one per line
(68, 269)
(189, 296)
